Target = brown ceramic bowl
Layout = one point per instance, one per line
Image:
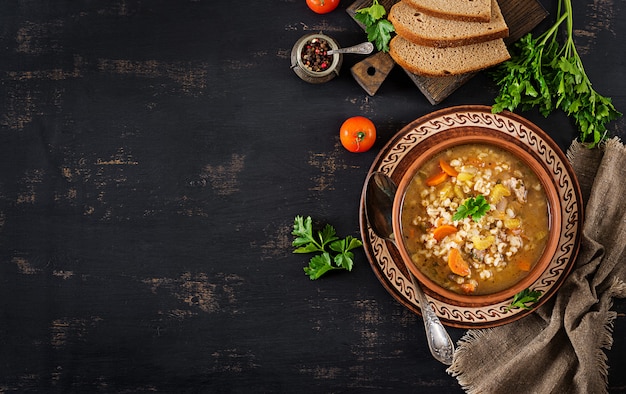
(473, 134)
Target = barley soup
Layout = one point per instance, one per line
(506, 223)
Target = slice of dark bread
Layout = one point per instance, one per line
(432, 61)
(429, 30)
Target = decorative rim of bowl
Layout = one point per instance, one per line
(391, 160)
(477, 135)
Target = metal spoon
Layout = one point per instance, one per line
(379, 197)
(364, 48)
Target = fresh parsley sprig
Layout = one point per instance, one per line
(543, 74)
(476, 207)
(334, 253)
(524, 297)
(377, 27)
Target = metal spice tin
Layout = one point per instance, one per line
(306, 73)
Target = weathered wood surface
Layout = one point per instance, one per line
(153, 157)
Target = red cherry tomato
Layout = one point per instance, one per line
(322, 6)
(357, 134)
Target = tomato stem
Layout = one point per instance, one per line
(360, 136)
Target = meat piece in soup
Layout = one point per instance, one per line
(475, 255)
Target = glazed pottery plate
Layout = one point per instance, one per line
(414, 140)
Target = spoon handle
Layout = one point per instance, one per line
(439, 342)
(364, 48)
(379, 198)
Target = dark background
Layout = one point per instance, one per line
(153, 157)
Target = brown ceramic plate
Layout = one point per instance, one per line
(410, 143)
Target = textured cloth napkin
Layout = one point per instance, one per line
(560, 347)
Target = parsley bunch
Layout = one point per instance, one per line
(324, 242)
(548, 76)
(377, 27)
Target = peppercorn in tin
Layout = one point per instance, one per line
(310, 61)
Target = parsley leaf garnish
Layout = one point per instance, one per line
(344, 258)
(325, 242)
(377, 27)
(305, 240)
(545, 75)
(476, 207)
(319, 265)
(524, 297)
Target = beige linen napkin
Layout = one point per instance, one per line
(560, 347)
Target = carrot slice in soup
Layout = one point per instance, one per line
(457, 264)
(523, 265)
(436, 179)
(447, 168)
(443, 231)
(468, 288)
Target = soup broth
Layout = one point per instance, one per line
(475, 254)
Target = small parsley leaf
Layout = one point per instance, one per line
(474, 207)
(364, 17)
(327, 235)
(304, 241)
(319, 265)
(345, 258)
(524, 297)
(380, 34)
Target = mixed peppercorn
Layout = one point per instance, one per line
(314, 55)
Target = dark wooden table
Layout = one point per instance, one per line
(153, 157)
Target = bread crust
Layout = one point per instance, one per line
(481, 16)
(429, 37)
(442, 69)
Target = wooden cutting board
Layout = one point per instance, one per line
(521, 16)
